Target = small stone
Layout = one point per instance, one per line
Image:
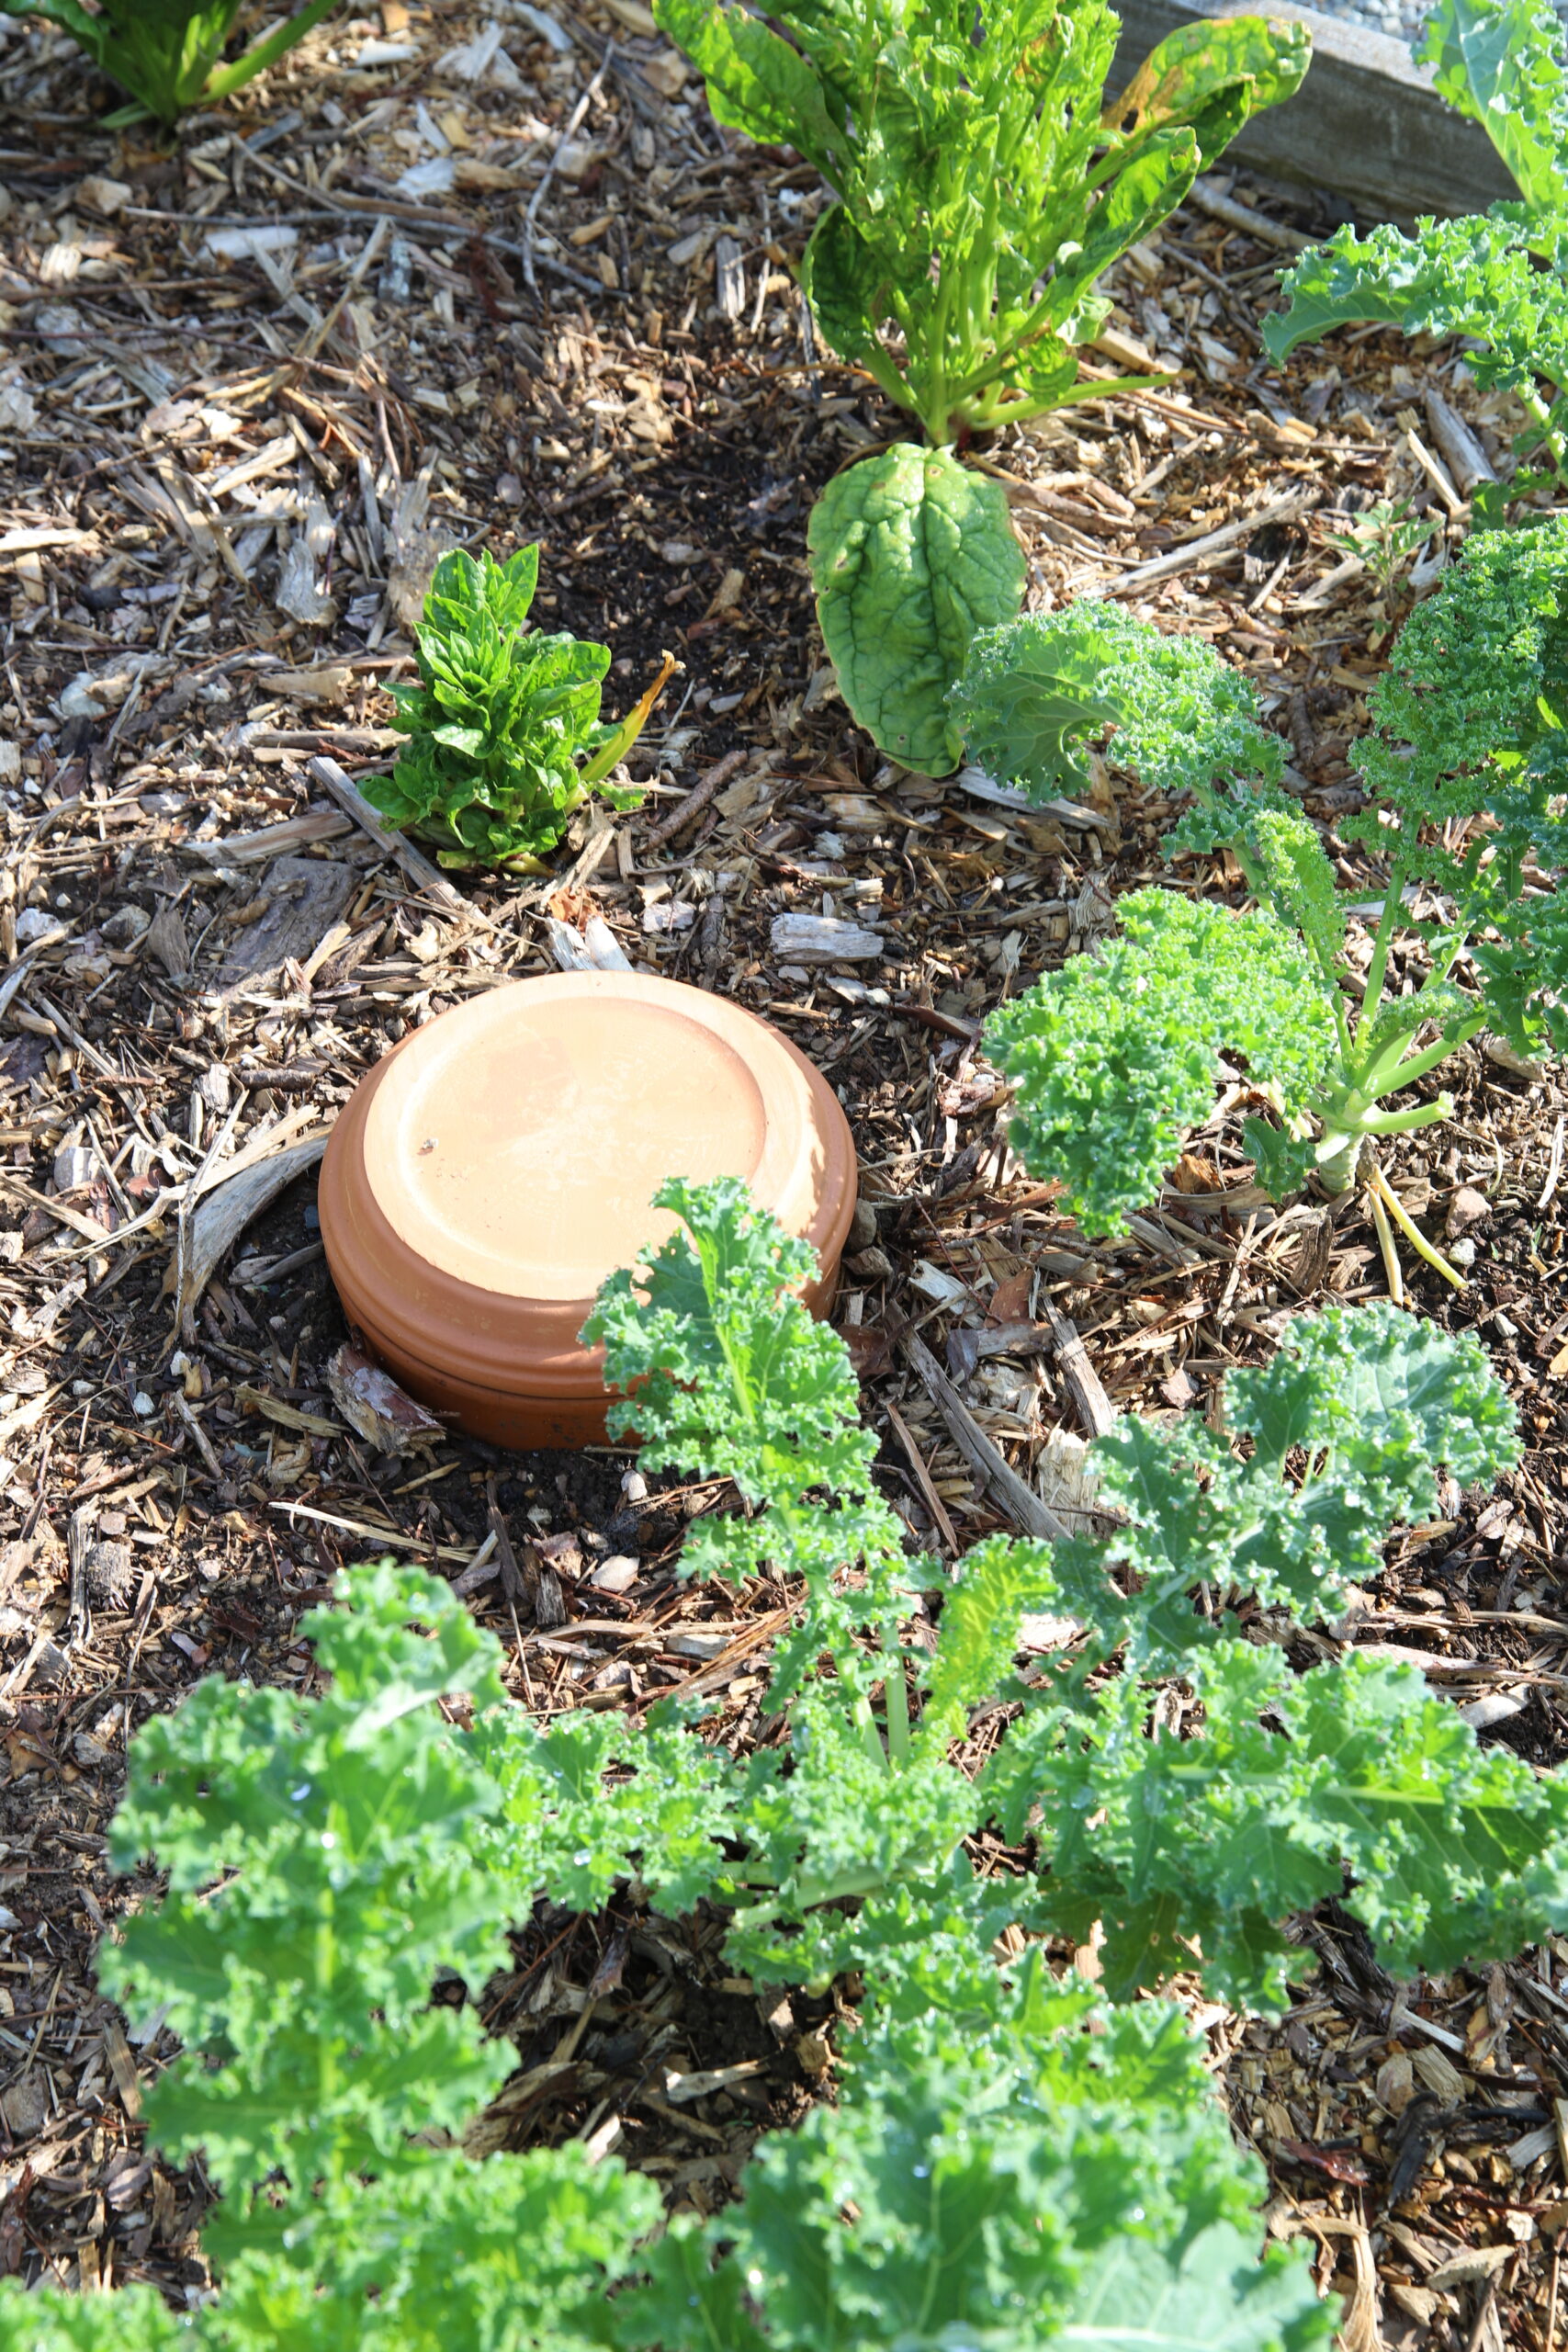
(142, 1405)
(633, 1486)
(1466, 1207)
(863, 1227)
(616, 1574)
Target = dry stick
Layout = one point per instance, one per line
(1018, 1499)
(1094, 1406)
(696, 801)
(418, 867)
(1383, 1190)
(1278, 510)
(1385, 1244)
(924, 1479)
(574, 123)
(1221, 207)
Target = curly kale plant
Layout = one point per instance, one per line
(167, 53)
(1114, 1056)
(1009, 2163)
(501, 720)
(982, 186)
(1498, 278)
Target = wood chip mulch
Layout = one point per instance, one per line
(425, 287)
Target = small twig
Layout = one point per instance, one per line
(924, 1479)
(1014, 1496)
(1554, 1168)
(415, 865)
(1551, 2307)
(696, 801)
(1095, 1408)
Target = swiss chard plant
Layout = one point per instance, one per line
(1498, 278)
(169, 53)
(1113, 1057)
(505, 736)
(983, 183)
(1011, 2162)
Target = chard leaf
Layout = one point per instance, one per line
(911, 553)
(505, 736)
(1212, 74)
(845, 282)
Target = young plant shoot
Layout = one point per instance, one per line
(1499, 279)
(1006, 2161)
(506, 735)
(1113, 1057)
(168, 54)
(983, 184)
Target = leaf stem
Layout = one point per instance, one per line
(1384, 1193)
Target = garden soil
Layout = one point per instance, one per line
(459, 277)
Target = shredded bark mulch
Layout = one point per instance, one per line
(425, 287)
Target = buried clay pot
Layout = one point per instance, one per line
(486, 1177)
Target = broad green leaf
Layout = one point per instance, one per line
(505, 733)
(980, 192)
(1198, 73)
(845, 285)
(168, 52)
(911, 553)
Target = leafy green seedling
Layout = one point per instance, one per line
(1498, 278)
(167, 53)
(1114, 1056)
(1386, 538)
(506, 738)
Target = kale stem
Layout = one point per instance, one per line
(897, 1703)
(282, 38)
(1377, 969)
(870, 1738)
(1552, 439)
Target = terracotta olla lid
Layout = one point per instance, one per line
(486, 1176)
